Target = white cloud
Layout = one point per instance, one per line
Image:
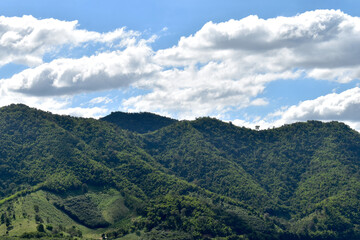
(227, 65)
(99, 100)
(344, 107)
(25, 40)
(107, 70)
(58, 105)
(93, 112)
(190, 93)
(316, 40)
(222, 67)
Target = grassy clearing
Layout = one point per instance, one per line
(131, 236)
(25, 213)
(111, 204)
(20, 193)
(32, 210)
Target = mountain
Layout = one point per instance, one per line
(143, 176)
(138, 122)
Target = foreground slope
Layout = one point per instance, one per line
(63, 176)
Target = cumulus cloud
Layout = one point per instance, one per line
(220, 68)
(344, 107)
(320, 42)
(107, 70)
(227, 65)
(190, 93)
(25, 40)
(50, 86)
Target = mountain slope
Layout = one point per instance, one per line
(184, 150)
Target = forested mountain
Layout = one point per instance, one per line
(138, 122)
(143, 176)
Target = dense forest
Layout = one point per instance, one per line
(143, 176)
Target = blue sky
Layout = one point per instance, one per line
(253, 63)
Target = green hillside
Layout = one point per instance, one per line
(143, 176)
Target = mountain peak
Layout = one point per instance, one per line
(142, 122)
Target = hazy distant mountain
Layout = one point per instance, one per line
(62, 176)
